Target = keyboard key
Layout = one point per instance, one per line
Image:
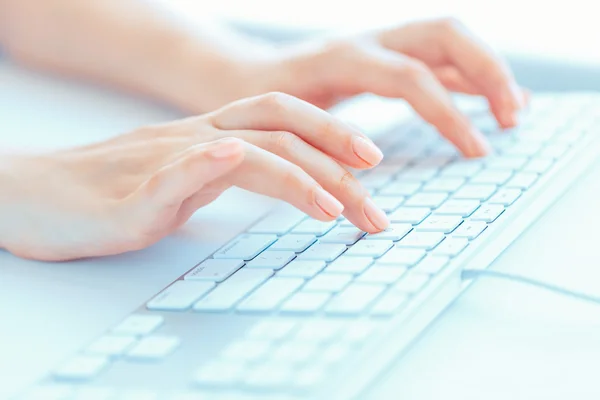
(246, 350)
(430, 200)
(334, 353)
(522, 180)
(440, 223)
(320, 330)
(294, 352)
(313, 227)
(432, 264)
(538, 165)
(380, 273)
(409, 215)
(270, 295)
(394, 232)
(310, 376)
(279, 222)
(139, 324)
(347, 236)
(81, 368)
(488, 213)
(417, 174)
(525, 149)
(388, 203)
(180, 296)
(137, 394)
(505, 163)
(272, 259)
(359, 331)
(370, 248)
(375, 179)
(506, 197)
(475, 192)
(411, 283)
(154, 347)
(323, 251)
(389, 304)
(496, 177)
(246, 247)
(421, 240)
(111, 345)
(462, 208)
(220, 373)
(470, 229)
(272, 329)
(451, 247)
(305, 302)
(214, 270)
(400, 188)
(553, 151)
(462, 169)
(302, 269)
(228, 293)
(293, 242)
(444, 184)
(328, 283)
(350, 265)
(407, 257)
(354, 299)
(268, 376)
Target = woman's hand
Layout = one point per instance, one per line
(421, 62)
(129, 192)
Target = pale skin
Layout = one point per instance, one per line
(259, 120)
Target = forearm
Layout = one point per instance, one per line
(130, 44)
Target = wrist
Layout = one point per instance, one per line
(206, 76)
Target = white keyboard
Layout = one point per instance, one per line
(302, 297)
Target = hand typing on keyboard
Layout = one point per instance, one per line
(126, 193)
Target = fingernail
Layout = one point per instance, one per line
(224, 148)
(367, 151)
(328, 204)
(376, 215)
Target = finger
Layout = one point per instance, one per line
(281, 112)
(454, 81)
(333, 177)
(482, 66)
(268, 174)
(156, 202)
(390, 74)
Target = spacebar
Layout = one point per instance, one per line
(229, 293)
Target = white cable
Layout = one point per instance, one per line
(482, 273)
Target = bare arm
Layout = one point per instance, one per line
(131, 44)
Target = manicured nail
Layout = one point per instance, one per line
(367, 151)
(376, 215)
(328, 204)
(224, 148)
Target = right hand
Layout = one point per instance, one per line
(128, 192)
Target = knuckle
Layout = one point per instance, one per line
(346, 181)
(413, 70)
(291, 178)
(449, 25)
(276, 101)
(283, 140)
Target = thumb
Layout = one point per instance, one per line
(195, 167)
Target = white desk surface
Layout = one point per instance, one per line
(499, 340)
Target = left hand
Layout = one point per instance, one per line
(421, 62)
